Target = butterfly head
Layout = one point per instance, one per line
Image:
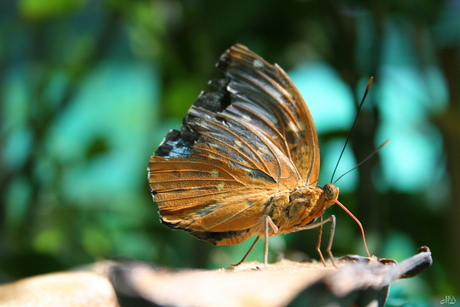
(331, 193)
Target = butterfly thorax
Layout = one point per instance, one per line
(302, 206)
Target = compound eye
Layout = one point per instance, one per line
(331, 191)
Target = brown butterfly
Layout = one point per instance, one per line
(246, 160)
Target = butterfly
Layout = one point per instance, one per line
(246, 160)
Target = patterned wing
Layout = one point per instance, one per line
(238, 147)
(266, 90)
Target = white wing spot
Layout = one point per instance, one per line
(293, 127)
(215, 173)
(220, 186)
(258, 63)
(238, 144)
(304, 149)
(246, 118)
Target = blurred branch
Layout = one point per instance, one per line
(357, 281)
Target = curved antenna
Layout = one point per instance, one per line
(362, 162)
(353, 126)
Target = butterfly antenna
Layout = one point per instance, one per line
(362, 162)
(353, 126)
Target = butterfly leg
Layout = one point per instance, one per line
(318, 244)
(331, 237)
(268, 222)
(247, 253)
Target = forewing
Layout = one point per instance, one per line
(259, 88)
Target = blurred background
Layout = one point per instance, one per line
(90, 88)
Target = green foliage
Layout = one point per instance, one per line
(40, 10)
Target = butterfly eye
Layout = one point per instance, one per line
(331, 191)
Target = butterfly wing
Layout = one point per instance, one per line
(267, 91)
(238, 147)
